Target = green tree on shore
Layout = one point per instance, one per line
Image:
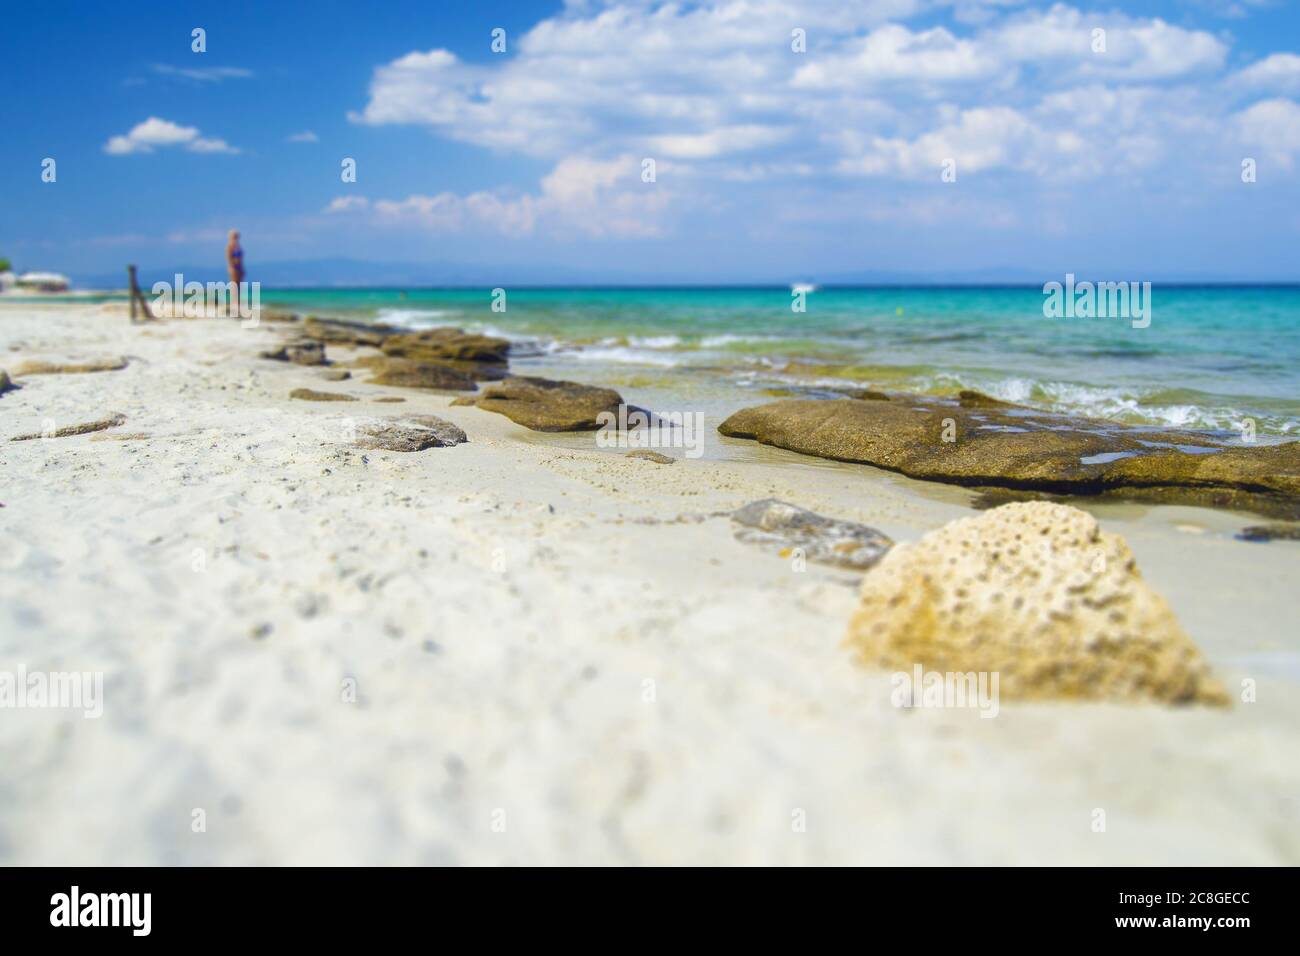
(4, 264)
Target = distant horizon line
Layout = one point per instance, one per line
(687, 286)
(767, 286)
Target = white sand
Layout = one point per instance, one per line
(549, 668)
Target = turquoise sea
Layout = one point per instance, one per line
(1210, 357)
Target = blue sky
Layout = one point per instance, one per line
(770, 164)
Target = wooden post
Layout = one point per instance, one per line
(136, 296)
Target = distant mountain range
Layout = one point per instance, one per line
(341, 272)
(357, 273)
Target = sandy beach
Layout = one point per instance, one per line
(527, 649)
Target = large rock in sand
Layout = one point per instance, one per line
(306, 352)
(405, 373)
(344, 332)
(409, 434)
(5, 383)
(447, 344)
(41, 367)
(785, 527)
(312, 395)
(1039, 594)
(545, 405)
(81, 428)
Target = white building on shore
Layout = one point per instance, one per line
(34, 282)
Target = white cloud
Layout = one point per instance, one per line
(1279, 73)
(1271, 130)
(626, 76)
(580, 196)
(1062, 40)
(156, 133)
(978, 140)
(306, 136)
(716, 84)
(731, 139)
(348, 203)
(1004, 88)
(204, 74)
(1057, 44)
(895, 53)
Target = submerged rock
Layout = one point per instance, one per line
(783, 526)
(410, 374)
(968, 398)
(299, 353)
(414, 433)
(39, 367)
(867, 395)
(545, 405)
(1006, 446)
(1038, 594)
(311, 395)
(99, 424)
(1270, 532)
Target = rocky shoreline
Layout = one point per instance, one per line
(1053, 605)
(982, 443)
(1009, 451)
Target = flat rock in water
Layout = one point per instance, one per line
(39, 367)
(464, 400)
(406, 373)
(112, 421)
(784, 526)
(311, 395)
(414, 433)
(969, 441)
(545, 405)
(1037, 594)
